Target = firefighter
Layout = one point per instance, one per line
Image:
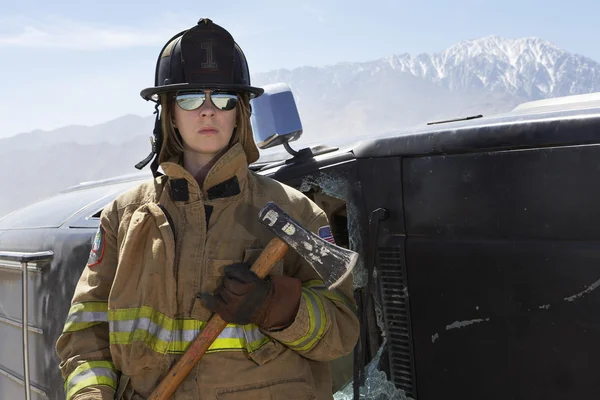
(175, 249)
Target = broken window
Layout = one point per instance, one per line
(337, 191)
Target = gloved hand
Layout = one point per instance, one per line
(243, 298)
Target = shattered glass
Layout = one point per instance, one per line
(337, 184)
(377, 386)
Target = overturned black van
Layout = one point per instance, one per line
(479, 243)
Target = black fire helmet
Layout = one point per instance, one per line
(202, 57)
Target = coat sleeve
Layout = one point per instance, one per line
(83, 346)
(326, 326)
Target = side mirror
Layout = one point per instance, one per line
(275, 119)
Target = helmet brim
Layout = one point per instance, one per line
(152, 93)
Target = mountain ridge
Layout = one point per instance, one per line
(523, 67)
(487, 76)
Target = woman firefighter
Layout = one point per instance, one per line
(177, 248)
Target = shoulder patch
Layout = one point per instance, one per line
(325, 233)
(97, 251)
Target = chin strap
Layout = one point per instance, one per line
(156, 144)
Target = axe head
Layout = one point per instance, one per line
(332, 263)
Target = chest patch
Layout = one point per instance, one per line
(97, 251)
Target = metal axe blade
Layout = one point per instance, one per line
(332, 263)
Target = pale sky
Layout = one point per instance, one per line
(85, 62)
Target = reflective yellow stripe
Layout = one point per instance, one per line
(91, 373)
(333, 295)
(84, 315)
(317, 322)
(167, 335)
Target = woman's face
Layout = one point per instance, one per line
(207, 129)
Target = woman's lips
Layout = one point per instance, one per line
(208, 131)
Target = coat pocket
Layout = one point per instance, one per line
(250, 256)
(283, 389)
(214, 273)
(214, 269)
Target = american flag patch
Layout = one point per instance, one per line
(325, 233)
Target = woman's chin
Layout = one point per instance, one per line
(208, 150)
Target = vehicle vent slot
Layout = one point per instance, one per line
(396, 312)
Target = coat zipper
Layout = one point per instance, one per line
(176, 255)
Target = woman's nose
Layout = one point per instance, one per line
(207, 108)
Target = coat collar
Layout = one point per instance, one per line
(226, 179)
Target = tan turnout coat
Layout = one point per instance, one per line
(135, 308)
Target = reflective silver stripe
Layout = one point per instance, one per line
(144, 324)
(252, 335)
(88, 316)
(236, 332)
(185, 335)
(91, 373)
(318, 318)
(233, 332)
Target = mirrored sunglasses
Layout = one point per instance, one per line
(222, 100)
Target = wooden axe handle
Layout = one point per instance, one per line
(274, 251)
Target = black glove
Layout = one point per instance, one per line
(243, 298)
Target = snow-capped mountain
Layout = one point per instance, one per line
(528, 67)
(484, 76)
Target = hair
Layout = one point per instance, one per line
(172, 143)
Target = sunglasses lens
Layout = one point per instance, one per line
(224, 101)
(190, 101)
